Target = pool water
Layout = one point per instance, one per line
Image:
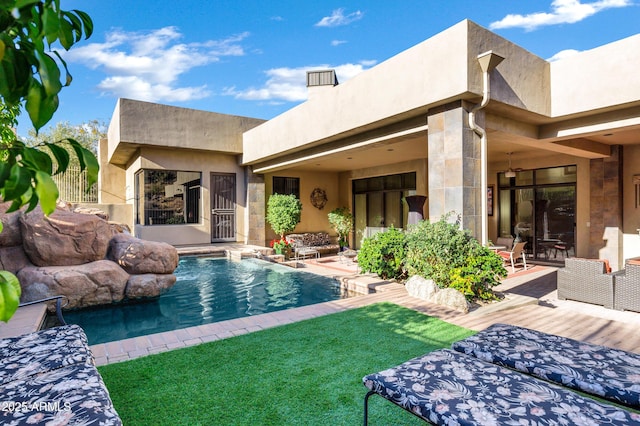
(209, 290)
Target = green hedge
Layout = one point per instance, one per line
(440, 251)
(383, 254)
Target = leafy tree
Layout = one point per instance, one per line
(30, 77)
(341, 220)
(28, 73)
(8, 122)
(283, 213)
(86, 134)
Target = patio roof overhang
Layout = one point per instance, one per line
(579, 106)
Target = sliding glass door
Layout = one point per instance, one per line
(538, 206)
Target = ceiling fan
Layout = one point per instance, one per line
(510, 172)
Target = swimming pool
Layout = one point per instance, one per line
(209, 290)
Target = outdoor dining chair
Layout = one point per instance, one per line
(513, 256)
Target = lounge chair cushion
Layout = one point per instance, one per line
(72, 395)
(609, 373)
(35, 353)
(50, 377)
(448, 387)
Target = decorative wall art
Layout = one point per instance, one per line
(318, 198)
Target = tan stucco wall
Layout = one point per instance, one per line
(521, 80)
(111, 179)
(188, 160)
(597, 78)
(338, 188)
(432, 73)
(312, 219)
(148, 124)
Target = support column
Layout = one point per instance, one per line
(256, 210)
(605, 232)
(454, 166)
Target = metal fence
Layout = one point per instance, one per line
(72, 186)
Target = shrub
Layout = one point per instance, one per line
(383, 254)
(451, 257)
(341, 220)
(283, 213)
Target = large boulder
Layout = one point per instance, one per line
(96, 283)
(148, 285)
(13, 259)
(10, 235)
(451, 298)
(91, 210)
(425, 289)
(64, 238)
(142, 257)
(421, 288)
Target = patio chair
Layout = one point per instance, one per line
(512, 257)
(627, 287)
(505, 241)
(563, 246)
(588, 281)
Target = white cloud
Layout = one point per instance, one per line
(338, 18)
(137, 88)
(147, 66)
(337, 42)
(562, 12)
(289, 84)
(563, 54)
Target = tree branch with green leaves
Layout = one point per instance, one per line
(30, 74)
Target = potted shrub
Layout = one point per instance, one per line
(341, 221)
(283, 213)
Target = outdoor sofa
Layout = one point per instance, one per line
(586, 280)
(627, 287)
(496, 377)
(50, 377)
(312, 243)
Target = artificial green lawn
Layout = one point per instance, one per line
(307, 373)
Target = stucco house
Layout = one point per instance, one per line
(516, 145)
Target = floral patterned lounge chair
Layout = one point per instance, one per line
(446, 387)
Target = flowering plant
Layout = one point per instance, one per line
(280, 245)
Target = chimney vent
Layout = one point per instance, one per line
(322, 78)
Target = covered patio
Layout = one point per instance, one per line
(562, 139)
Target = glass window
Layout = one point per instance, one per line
(385, 183)
(167, 197)
(556, 175)
(378, 203)
(286, 186)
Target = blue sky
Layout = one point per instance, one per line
(249, 57)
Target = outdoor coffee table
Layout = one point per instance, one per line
(347, 256)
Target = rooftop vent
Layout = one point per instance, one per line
(322, 78)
